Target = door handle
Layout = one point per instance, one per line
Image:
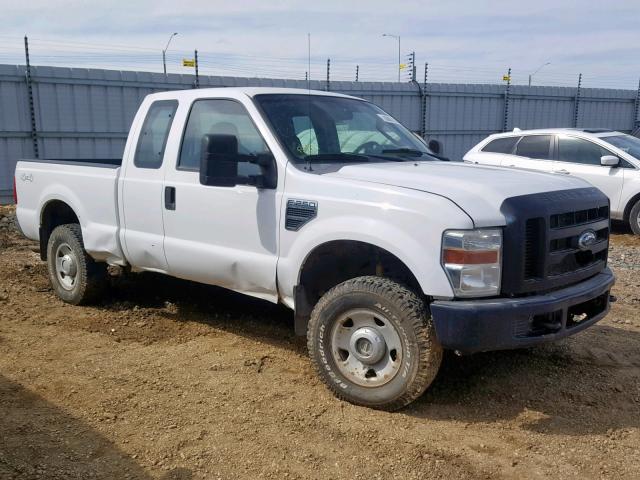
(170, 198)
(563, 172)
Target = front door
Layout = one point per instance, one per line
(142, 185)
(581, 158)
(224, 236)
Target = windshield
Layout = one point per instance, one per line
(321, 129)
(626, 143)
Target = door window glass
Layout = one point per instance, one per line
(578, 150)
(534, 146)
(154, 133)
(501, 145)
(226, 117)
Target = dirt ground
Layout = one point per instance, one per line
(171, 380)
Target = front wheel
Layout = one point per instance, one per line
(634, 218)
(373, 343)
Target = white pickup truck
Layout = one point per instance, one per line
(325, 203)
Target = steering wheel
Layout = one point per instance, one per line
(370, 147)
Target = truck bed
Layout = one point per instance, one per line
(88, 186)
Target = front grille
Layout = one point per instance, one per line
(542, 249)
(581, 217)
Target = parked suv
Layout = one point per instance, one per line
(607, 159)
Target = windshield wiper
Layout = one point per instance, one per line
(336, 157)
(409, 151)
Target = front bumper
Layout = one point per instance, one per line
(471, 326)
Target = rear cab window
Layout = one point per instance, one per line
(501, 145)
(535, 146)
(154, 133)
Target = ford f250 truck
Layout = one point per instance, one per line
(327, 204)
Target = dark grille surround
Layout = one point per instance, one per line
(541, 251)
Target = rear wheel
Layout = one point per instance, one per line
(634, 218)
(75, 277)
(373, 343)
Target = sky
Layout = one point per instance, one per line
(463, 41)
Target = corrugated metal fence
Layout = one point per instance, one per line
(86, 113)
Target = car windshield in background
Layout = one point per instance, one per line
(626, 143)
(324, 129)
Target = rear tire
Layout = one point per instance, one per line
(75, 277)
(634, 218)
(373, 343)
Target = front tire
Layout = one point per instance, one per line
(373, 343)
(634, 218)
(75, 277)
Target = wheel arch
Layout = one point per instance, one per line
(55, 212)
(335, 261)
(629, 206)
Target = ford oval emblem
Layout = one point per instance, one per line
(587, 239)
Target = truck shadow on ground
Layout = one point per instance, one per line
(587, 384)
(39, 440)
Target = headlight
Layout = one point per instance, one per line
(472, 260)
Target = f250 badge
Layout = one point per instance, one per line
(26, 177)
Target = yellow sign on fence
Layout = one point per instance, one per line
(188, 62)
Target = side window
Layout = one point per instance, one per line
(578, 150)
(535, 146)
(154, 133)
(501, 145)
(220, 117)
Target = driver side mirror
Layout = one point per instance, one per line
(435, 146)
(609, 161)
(220, 159)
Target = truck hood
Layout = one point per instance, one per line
(478, 190)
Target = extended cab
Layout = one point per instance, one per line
(327, 204)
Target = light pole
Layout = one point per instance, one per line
(539, 68)
(164, 60)
(397, 37)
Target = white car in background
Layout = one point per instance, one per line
(607, 159)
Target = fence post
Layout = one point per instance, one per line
(32, 110)
(505, 121)
(636, 120)
(328, 70)
(423, 129)
(197, 84)
(577, 107)
(412, 61)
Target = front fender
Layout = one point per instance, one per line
(413, 236)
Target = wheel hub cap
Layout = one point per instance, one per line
(68, 266)
(367, 345)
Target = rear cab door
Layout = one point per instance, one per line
(141, 184)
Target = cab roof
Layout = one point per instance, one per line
(242, 91)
